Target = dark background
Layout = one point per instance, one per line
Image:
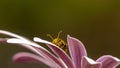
(95, 22)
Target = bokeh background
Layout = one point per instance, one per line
(95, 22)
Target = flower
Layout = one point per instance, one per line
(78, 56)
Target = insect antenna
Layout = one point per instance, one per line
(50, 36)
(59, 34)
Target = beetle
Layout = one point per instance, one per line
(59, 42)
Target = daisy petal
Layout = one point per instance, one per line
(28, 57)
(58, 51)
(89, 63)
(38, 50)
(77, 50)
(23, 44)
(108, 61)
(12, 34)
(3, 40)
(52, 57)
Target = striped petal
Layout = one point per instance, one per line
(58, 51)
(89, 63)
(108, 61)
(77, 50)
(3, 40)
(38, 50)
(28, 57)
(31, 46)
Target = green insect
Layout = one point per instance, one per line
(59, 42)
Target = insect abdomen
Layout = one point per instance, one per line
(60, 43)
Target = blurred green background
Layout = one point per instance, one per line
(95, 22)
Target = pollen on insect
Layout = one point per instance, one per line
(59, 42)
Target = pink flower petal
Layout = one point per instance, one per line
(52, 57)
(77, 50)
(31, 46)
(89, 63)
(58, 51)
(38, 50)
(12, 35)
(25, 44)
(28, 57)
(3, 40)
(108, 61)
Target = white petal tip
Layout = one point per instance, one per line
(91, 61)
(14, 40)
(36, 39)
